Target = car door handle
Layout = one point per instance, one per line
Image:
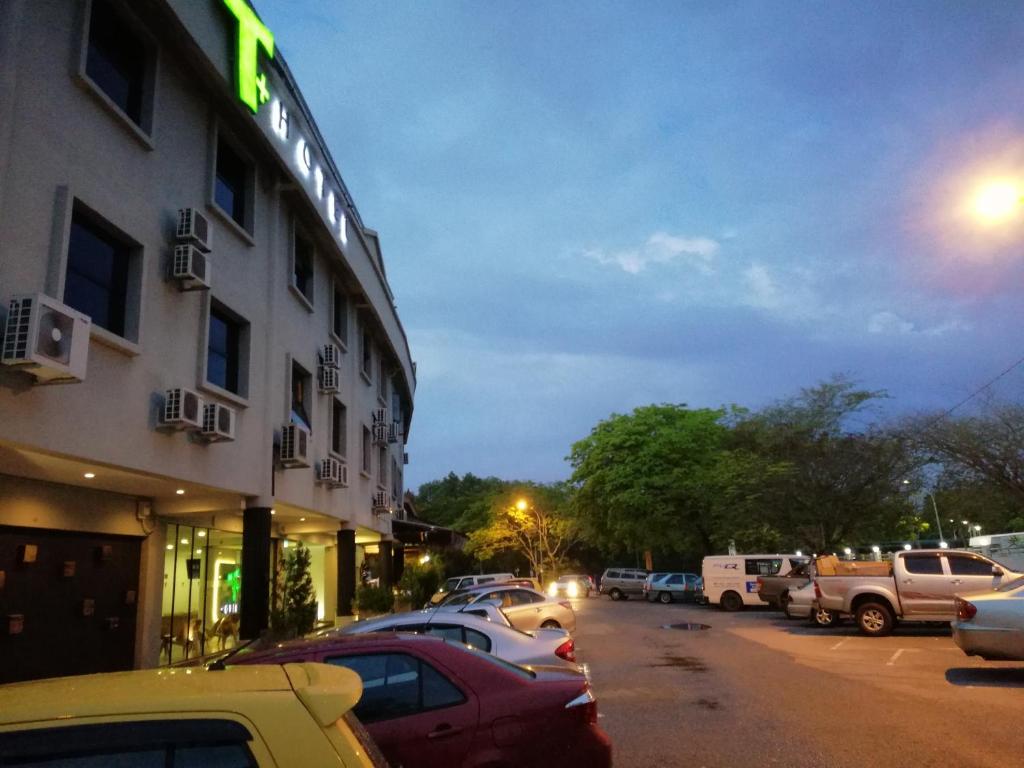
(957, 581)
(443, 731)
(908, 581)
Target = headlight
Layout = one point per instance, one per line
(552, 589)
(572, 590)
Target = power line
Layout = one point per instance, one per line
(974, 394)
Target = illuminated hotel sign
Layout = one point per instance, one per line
(254, 90)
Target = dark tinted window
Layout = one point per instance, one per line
(301, 396)
(612, 575)
(231, 191)
(766, 567)
(964, 565)
(477, 639)
(338, 427)
(677, 579)
(438, 691)
(367, 353)
(366, 450)
(303, 272)
(447, 631)
(339, 314)
(116, 61)
(397, 685)
(97, 275)
(923, 564)
(222, 352)
(219, 756)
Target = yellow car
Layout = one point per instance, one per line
(243, 717)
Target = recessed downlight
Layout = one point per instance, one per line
(302, 519)
(89, 475)
(273, 511)
(180, 491)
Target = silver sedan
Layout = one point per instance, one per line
(526, 609)
(542, 646)
(991, 624)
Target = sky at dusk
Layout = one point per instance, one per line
(587, 207)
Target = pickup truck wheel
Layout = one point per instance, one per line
(615, 594)
(730, 601)
(822, 617)
(874, 619)
(665, 598)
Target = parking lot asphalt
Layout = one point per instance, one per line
(756, 689)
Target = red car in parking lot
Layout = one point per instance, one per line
(430, 702)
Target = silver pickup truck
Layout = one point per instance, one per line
(921, 586)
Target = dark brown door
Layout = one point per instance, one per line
(76, 596)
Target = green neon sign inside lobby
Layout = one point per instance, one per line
(252, 35)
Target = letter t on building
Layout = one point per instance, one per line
(252, 85)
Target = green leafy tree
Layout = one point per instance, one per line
(836, 477)
(660, 477)
(462, 503)
(532, 521)
(294, 612)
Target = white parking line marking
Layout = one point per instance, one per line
(895, 656)
(837, 645)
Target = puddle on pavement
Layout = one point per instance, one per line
(687, 625)
(686, 663)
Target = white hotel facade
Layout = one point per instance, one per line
(202, 359)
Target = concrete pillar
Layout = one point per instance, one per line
(150, 598)
(386, 564)
(398, 562)
(346, 570)
(255, 601)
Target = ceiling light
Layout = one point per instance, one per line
(302, 519)
(170, 546)
(180, 491)
(201, 534)
(184, 541)
(273, 511)
(89, 475)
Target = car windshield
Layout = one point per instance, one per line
(449, 585)
(506, 665)
(463, 598)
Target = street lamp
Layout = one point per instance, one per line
(997, 200)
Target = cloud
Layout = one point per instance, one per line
(762, 291)
(890, 324)
(662, 248)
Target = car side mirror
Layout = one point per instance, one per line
(997, 571)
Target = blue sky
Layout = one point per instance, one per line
(586, 207)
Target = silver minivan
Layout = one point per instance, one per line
(620, 583)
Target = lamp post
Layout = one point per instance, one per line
(937, 521)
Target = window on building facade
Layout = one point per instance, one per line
(302, 264)
(367, 450)
(339, 419)
(97, 277)
(382, 467)
(233, 185)
(382, 379)
(366, 353)
(302, 397)
(223, 350)
(396, 480)
(396, 405)
(116, 61)
(339, 314)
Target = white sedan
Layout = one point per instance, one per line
(541, 646)
(991, 624)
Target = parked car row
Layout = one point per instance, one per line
(488, 676)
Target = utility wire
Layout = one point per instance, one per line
(945, 414)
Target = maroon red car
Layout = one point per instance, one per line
(431, 702)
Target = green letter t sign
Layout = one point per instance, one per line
(252, 86)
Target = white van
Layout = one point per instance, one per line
(730, 581)
(465, 582)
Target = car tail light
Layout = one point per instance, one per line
(565, 604)
(817, 590)
(586, 705)
(965, 611)
(760, 583)
(567, 650)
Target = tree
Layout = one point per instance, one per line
(657, 479)
(457, 502)
(294, 612)
(989, 447)
(831, 484)
(531, 520)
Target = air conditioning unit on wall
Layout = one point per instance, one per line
(46, 338)
(193, 227)
(381, 503)
(328, 379)
(380, 434)
(331, 355)
(183, 409)
(218, 423)
(332, 472)
(294, 451)
(191, 268)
